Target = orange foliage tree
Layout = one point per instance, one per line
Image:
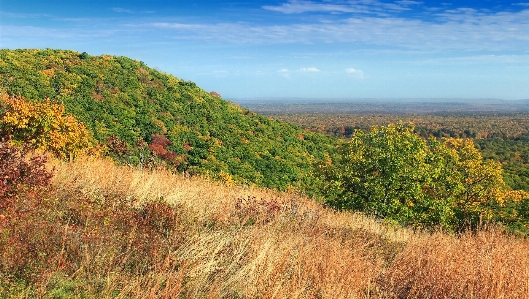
(44, 125)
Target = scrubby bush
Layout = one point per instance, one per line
(24, 236)
(18, 172)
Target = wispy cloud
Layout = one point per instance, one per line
(180, 26)
(309, 70)
(23, 15)
(285, 73)
(408, 2)
(296, 7)
(365, 6)
(372, 23)
(452, 29)
(446, 29)
(122, 10)
(354, 73)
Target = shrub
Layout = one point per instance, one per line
(159, 145)
(43, 232)
(17, 173)
(24, 237)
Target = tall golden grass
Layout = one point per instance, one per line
(243, 242)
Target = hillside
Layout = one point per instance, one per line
(97, 230)
(135, 110)
(60, 100)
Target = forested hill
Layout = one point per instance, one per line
(142, 115)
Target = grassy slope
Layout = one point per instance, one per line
(124, 97)
(242, 242)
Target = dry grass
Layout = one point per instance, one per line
(242, 242)
(487, 264)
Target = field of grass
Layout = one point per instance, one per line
(105, 231)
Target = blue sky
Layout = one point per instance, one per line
(296, 48)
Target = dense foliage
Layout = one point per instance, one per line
(391, 172)
(513, 153)
(142, 115)
(502, 137)
(44, 125)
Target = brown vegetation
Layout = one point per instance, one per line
(105, 231)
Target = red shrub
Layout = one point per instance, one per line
(18, 173)
(26, 234)
(158, 147)
(117, 146)
(160, 140)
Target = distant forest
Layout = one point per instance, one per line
(382, 106)
(500, 129)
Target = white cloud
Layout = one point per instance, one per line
(122, 10)
(285, 73)
(295, 7)
(179, 26)
(358, 74)
(456, 29)
(521, 4)
(464, 10)
(309, 70)
(409, 2)
(365, 6)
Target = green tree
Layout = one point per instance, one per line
(393, 173)
(381, 172)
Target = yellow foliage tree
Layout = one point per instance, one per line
(43, 124)
(477, 185)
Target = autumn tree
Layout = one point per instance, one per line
(44, 125)
(391, 172)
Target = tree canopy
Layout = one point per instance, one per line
(391, 172)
